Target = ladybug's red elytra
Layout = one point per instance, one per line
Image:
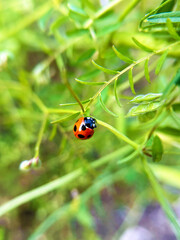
(84, 128)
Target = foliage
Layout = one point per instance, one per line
(60, 60)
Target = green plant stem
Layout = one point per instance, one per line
(127, 69)
(60, 182)
(39, 140)
(162, 199)
(119, 134)
(68, 210)
(99, 13)
(129, 8)
(71, 90)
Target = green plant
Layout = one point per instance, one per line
(66, 50)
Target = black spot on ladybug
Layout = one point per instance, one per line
(83, 127)
(75, 128)
(89, 136)
(81, 136)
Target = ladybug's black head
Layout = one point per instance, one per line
(90, 122)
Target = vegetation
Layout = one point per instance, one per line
(117, 61)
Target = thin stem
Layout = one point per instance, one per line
(119, 134)
(71, 90)
(129, 8)
(127, 69)
(60, 182)
(40, 136)
(99, 13)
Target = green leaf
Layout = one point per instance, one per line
(115, 93)
(89, 83)
(162, 17)
(77, 10)
(104, 69)
(121, 56)
(142, 46)
(86, 55)
(171, 29)
(164, 5)
(168, 7)
(170, 86)
(157, 149)
(105, 108)
(146, 70)
(161, 62)
(65, 119)
(143, 108)
(58, 23)
(131, 83)
(145, 117)
(146, 98)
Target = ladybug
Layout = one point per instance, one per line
(84, 128)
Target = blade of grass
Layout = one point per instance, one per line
(162, 199)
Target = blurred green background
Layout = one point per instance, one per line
(46, 45)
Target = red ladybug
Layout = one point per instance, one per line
(84, 127)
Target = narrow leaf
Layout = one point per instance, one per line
(131, 83)
(53, 132)
(170, 86)
(146, 98)
(157, 149)
(171, 29)
(161, 62)
(65, 119)
(105, 108)
(162, 17)
(121, 56)
(142, 46)
(71, 104)
(115, 93)
(89, 83)
(104, 69)
(77, 10)
(168, 7)
(146, 70)
(86, 55)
